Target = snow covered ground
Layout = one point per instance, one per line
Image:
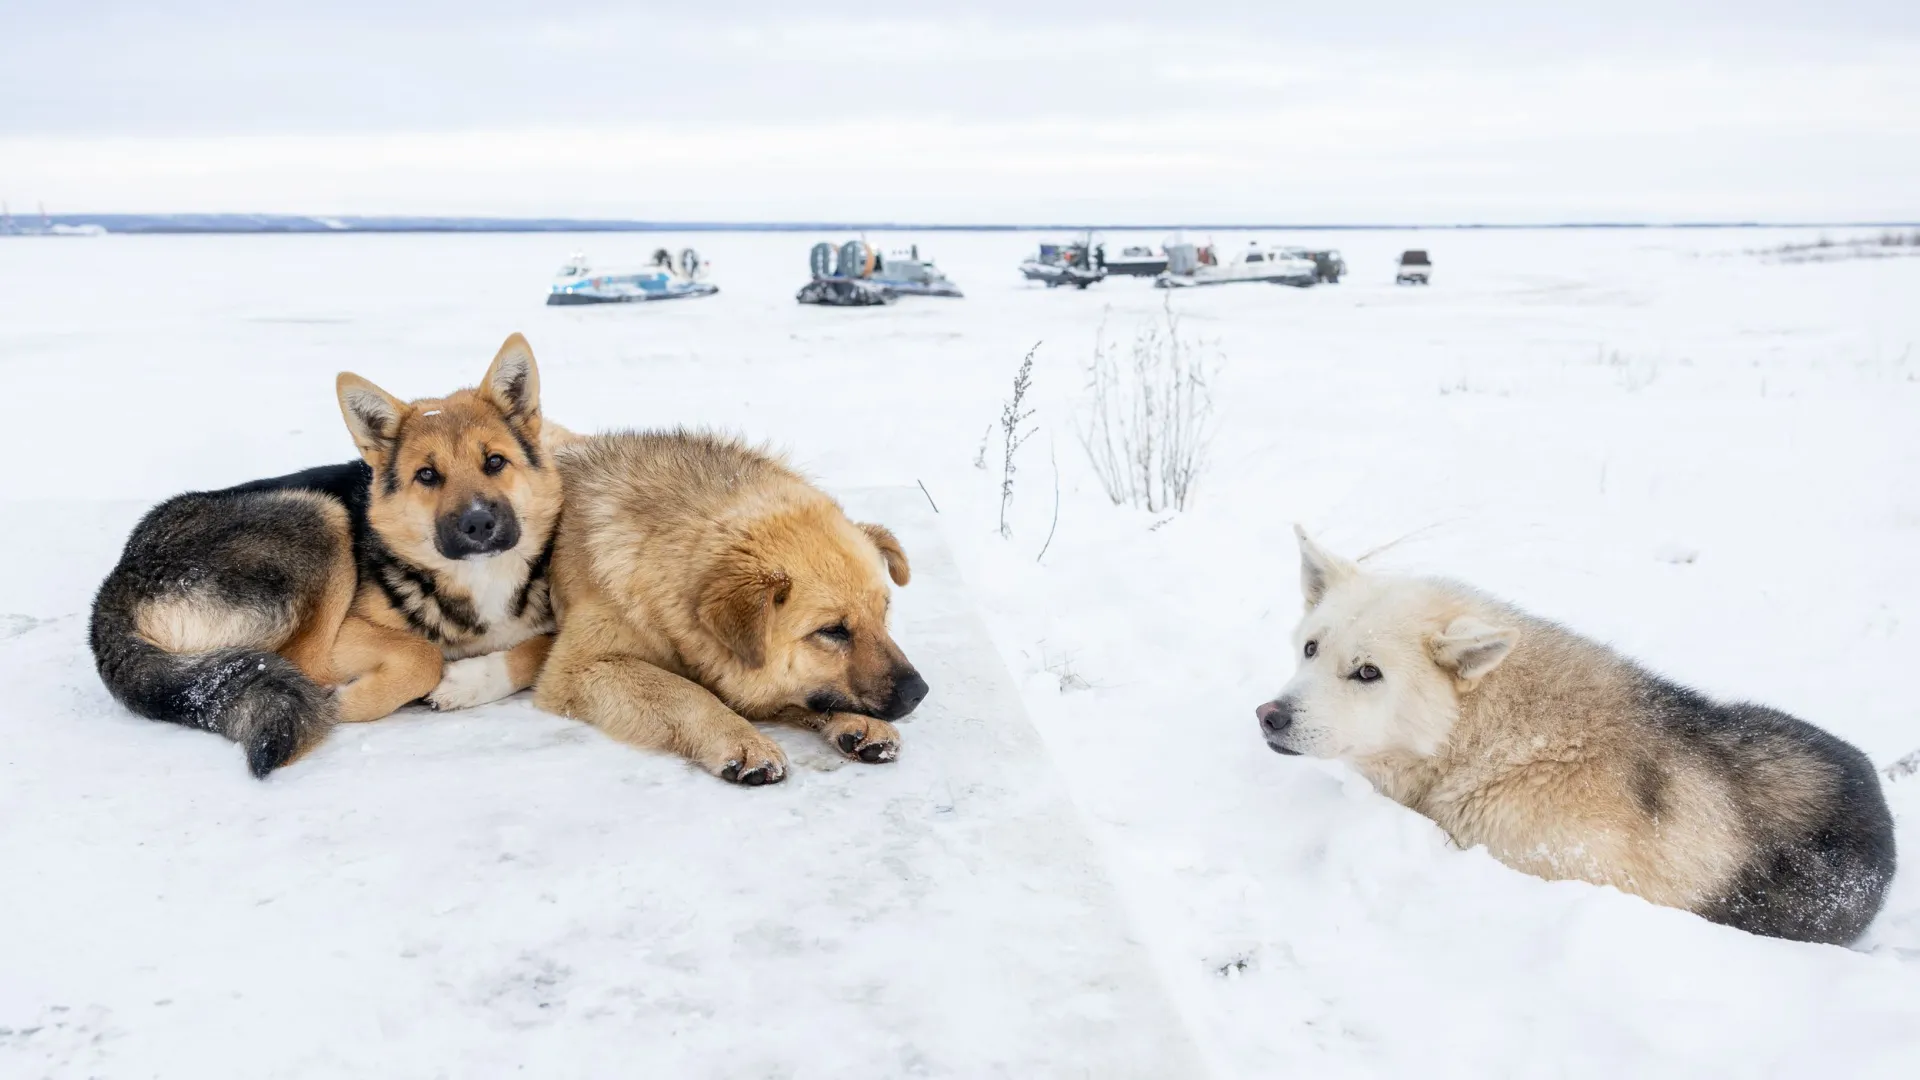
(1705, 458)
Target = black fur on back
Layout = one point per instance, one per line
(246, 549)
(1818, 827)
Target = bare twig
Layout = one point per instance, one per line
(929, 495)
(1056, 503)
(1012, 416)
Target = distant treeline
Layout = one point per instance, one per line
(301, 223)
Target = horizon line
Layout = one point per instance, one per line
(319, 224)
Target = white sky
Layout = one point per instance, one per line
(1047, 110)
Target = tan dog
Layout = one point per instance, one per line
(702, 585)
(1569, 761)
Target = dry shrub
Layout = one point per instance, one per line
(1149, 414)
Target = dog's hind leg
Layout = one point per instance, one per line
(387, 668)
(312, 645)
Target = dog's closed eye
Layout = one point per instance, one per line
(838, 632)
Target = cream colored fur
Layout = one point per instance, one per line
(1509, 732)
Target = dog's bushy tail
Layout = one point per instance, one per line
(257, 698)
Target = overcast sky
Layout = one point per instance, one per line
(1044, 110)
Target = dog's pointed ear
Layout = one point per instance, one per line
(373, 415)
(1320, 569)
(1470, 648)
(736, 605)
(890, 550)
(512, 383)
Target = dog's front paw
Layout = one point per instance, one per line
(473, 681)
(862, 738)
(753, 761)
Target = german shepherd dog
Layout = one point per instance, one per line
(703, 585)
(270, 611)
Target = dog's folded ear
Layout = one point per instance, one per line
(890, 550)
(737, 601)
(1320, 570)
(372, 415)
(512, 383)
(1471, 648)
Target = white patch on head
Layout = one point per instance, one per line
(473, 681)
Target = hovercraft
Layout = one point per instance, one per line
(579, 283)
(1136, 260)
(1079, 263)
(858, 275)
(1190, 265)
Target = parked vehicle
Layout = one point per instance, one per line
(1136, 260)
(1079, 263)
(858, 274)
(579, 283)
(1415, 269)
(1328, 265)
(845, 292)
(1190, 265)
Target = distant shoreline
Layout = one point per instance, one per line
(303, 224)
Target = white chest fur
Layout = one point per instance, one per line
(491, 585)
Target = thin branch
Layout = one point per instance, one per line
(1011, 418)
(1056, 502)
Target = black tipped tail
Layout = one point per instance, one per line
(256, 698)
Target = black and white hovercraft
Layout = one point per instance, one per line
(858, 275)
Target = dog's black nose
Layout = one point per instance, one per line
(909, 690)
(483, 528)
(1275, 716)
(477, 524)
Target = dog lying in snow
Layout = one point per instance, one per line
(702, 585)
(1569, 761)
(270, 611)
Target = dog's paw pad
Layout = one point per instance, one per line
(766, 772)
(864, 739)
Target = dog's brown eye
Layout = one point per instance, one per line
(1313, 649)
(1367, 673)
(494, 464)
(837, 632)
(427, 476)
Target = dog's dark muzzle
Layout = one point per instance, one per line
(909, 690)
(485, 527)
(1275, 718)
